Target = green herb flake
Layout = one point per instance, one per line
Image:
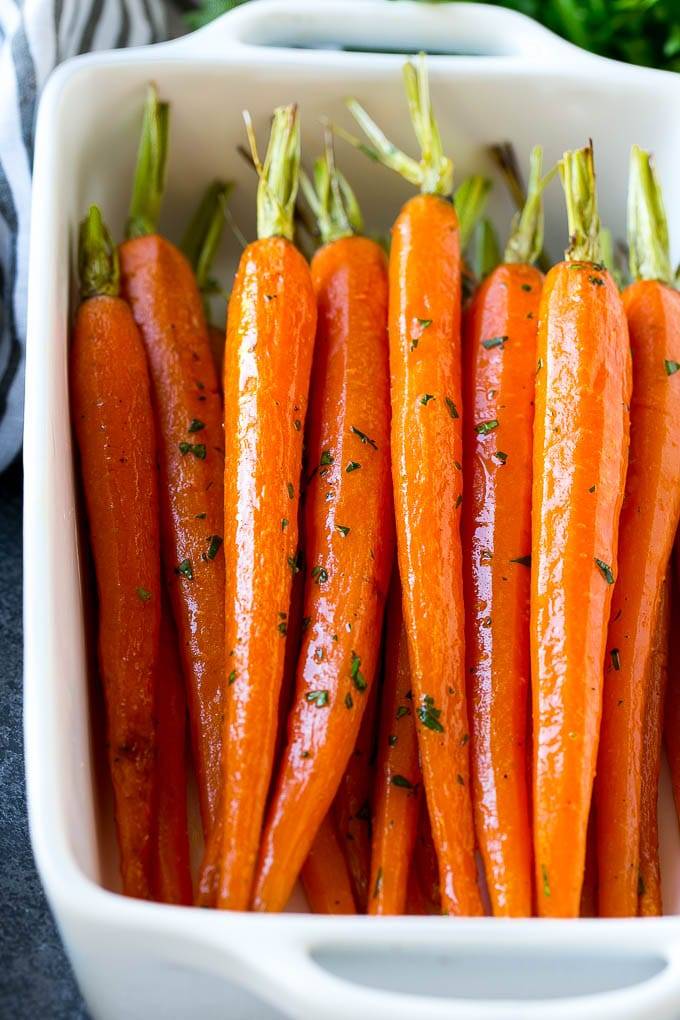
(402, 782)
(200, 517)
(546, 881)
(605, 570)
(378, 883)
(297, 424)
(524, 561)
(348, 701)
(318, 698)
(232, 677)
(494, 341)
(485, 427)
(352, 466)
(356, 674)
(539, 365)
(592, 488)
(282, 628)
(214, 547)
(344, 531)
(429, 715)
(414, 342)
(143, 594)
(527, 287)
(616, 659)
(459, 779)
(453, 410)
(326, 458)
(294, 563)
(596, 280)
(184, 448)
(501, 457)
(464, 739)
(426, 398)
(424, 323)
(366, 440)
(392, 740)
(291, 490)
(195, 425)
(671, 367)
(185, 569)
(284, 523)
(458, 466)
(402, 711)
(319, 574)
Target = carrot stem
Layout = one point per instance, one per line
(434, 173)
(203, 235)
(577, 171)
(470, 202)
(149, 181)
(331, 198)
(649, 249)
(526, 233)
(485, 253)
(98, 268)
(279, 174)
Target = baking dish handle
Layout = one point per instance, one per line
(291, 28)
(304, 980)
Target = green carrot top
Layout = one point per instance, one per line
(97, 258)
(526, 233)
(433, 174)
(649, 248)
(331, 198)
(149, 180)
(577, 171)
(279, 174)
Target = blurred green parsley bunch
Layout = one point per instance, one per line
(643, 32)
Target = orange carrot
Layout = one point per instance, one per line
(425, 863)
(579, 461)
(173, 871)
(425, 352)
(348, 537)
(649, 520)
(501, 327)
(166, 304)
(270, 337)
(397, 788)
(671, 723)
(649, 883)
(588, 906)
(325, 877)
(113, 421)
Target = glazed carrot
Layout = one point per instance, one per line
(161, 289)
(398, 779)
(425, 352)
(114, 426)
(325, 877)
(425, 863)
(579, 464)
(501, 327)
(649, 882)
(588, 906)
(352, 804)
(415, 898)
(270, 337)
(348, 537)
(172, 867)
(200, 243)
(671, 722)
(649, 520)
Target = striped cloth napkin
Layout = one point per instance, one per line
(35, 35)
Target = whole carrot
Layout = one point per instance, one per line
(501, 326)
(649, 882)
(166, 303)
(270, 337)
(348, 536)
(114, 426)
(579, 464)
(649, 520)
(325, 877)
(398, 779)
(425, 365)
(172, 867)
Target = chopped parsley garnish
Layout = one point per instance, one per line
(500, 456)
(402, 711)
(143, 594)
(459, 779)
(424, 323)
(232, 677)
(605, 570)
(297, 424)
(526, 287)
(546, 882)
(200, 517)
(344, 531)
(356, 674)
(429, 715)
(485, 427)
(494, 341)
(291, 490)
(616, 659)
(453, 410)
(363, 437)
(282, 628)
(671, 367)
(592, 488)
(284, 523)
(426, 398)
(326, 458)
(185, 569)
(318, 698)
(320, 574)
(195, 425)
(294, 563)
(597, 280)
(352, 466)
(402, 782)
(348, 701)
(214, 547)
(198, 449)
(378, 883)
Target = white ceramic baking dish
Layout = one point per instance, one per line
(504, 77)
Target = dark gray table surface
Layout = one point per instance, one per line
(35, 977)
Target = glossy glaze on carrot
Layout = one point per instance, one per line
(649, 882)
(649, 520)
(398, 778)
(348, 553)
(114, 425)
(325, 876)
(160, 286)
(580, 454)
(501, 328)
(671, 721)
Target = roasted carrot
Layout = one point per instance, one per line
(649, 882)
(425, 863)
(579, 464)
(270, 337)
(649, 520)
(348, 538)
(166, 303)
(172, 867)
(588, 907)
(398, 779)
(325, 877)
(426, 436)
(114, 426)
(671, 722)
(200, 244)
(501, 327)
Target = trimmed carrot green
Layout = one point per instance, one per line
(649, 520)
(347, 539)
(426, 439)
(114, 426)
(583, 387)
(325, 877)
(398, 778)
(161, 289)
